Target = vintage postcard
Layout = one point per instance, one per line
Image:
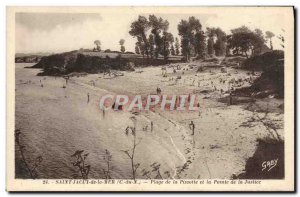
(150, 99)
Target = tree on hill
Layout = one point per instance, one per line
(167, 40)
(98, 45)
(172, 49)
(243, 40)
(122, 41)
(192, 38)
(216, 44)
(139, 29)
(137, 49)
(257, 42)
(177, 51)
(270, 35)
(184, 32)
(200, 44)
(141, 46)
(158, 27)
(210, 42)
(151, 46)
(159, 40)
(220, 45)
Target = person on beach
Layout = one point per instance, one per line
(192, 127)
(198, 105)
(158, 90)
(151, 126)
(88, 97)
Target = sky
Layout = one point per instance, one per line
(62, 30)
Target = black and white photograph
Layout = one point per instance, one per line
(150, 98)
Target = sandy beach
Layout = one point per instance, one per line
(56, 120)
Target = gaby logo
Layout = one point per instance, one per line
(149, 102)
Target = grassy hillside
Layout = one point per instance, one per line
(95, 62)
(271, 82)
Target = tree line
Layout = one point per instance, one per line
(97, 47)
(154, 40)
